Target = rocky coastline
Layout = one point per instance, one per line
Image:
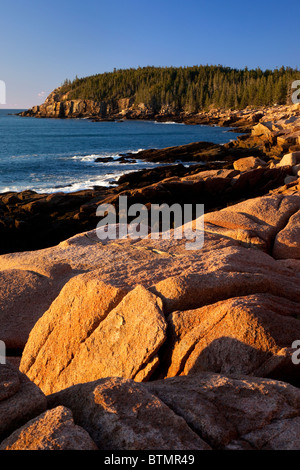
(141, 344)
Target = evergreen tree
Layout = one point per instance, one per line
(192, 89)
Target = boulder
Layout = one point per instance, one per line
(94, 334)
(262, 129)
(248, 163)
(52, 430)
(226, 273)
(20, 400)
(235, 412)
(254, 222)
(287, 241)
(235, 336)
(290, 159)
(121, 414)
(24, 297)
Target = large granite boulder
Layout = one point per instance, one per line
(52, 430)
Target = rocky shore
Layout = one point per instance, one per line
(140, 344)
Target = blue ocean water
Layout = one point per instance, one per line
(50, 155)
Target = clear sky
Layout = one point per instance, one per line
(45, 42)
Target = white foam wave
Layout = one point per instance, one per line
(92, 157)
(115, 156)
(169, 122)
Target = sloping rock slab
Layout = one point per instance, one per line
(87, 341)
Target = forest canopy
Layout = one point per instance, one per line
(190, 89)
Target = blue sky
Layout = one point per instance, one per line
(45, 42)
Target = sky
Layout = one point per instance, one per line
(45, 42)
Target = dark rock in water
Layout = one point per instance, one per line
(146, 177)
(125, 159)
(121, 159)
(125, 155)
(104, 159)
(196, 152)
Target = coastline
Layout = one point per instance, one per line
(106, 328)
(33, 220)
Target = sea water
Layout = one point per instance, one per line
(51, 155)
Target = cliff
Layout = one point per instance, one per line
(167, 93)
(59, 106)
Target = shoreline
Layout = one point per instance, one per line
(31, 220)
(91, 322)
(139, 157)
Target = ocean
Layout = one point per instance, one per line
(51, 155)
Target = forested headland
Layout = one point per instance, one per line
(190, 89)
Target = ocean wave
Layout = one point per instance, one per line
(107, 180)
(92, 157)
(169, 122)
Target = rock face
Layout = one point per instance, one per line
(52, 430)
(238, 412)
(120, 414)
(25, 296)
(122, 344)
(234, 336)
(20, 400)
(235, 412)
(286, 243)
(112, 320)
(54, 108)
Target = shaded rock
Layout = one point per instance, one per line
(104, 159)
(296, 170)
(287, 241)
(235, 336)
(121, 414)
(9, 381)
(290, 179)
(196, 151)
(20, 400)
(235, 412)
(52, 430)
(283, 435)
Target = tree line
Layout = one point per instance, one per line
(190, 89)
